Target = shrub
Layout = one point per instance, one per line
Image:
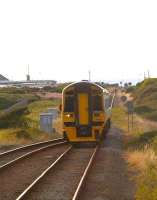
(140, 141)
(14, 119)
(23, 134)
(142, 109)
(130, 89)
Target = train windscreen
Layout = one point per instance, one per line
(97, 103)
(69, 104)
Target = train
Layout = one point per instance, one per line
(85, 112)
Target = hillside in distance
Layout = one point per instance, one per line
(145, 95)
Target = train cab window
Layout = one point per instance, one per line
(97, 103)
(69, 104)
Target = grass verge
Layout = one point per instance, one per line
(22, 126)
(141, 152)
(145, 96)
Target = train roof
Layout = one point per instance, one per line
(86, 82)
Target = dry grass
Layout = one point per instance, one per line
(57, 124)
(38, 107)
(145, 161)
(142, 159)
(17, 136)
(31, 133)
(141, 156)
(8, 136)
(140, 125)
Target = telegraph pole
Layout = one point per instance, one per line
(28, 75)
(89, 73)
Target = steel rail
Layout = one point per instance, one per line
(31, 145)
(30, 153)
(84, 176)
(30, 187)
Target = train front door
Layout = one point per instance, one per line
(83, 108)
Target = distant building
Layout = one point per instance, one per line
(2, 78)
(28, 83)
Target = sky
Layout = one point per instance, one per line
(64, 39)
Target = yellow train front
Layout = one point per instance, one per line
(85, 116)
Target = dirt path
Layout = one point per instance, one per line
(109, 178)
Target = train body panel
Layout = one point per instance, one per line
(85, 117)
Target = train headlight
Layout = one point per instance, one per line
(69, 115)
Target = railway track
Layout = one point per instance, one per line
(16, 175)
(31, 168)
(64, 178)
(11, 155)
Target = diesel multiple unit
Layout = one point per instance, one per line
(85, 112)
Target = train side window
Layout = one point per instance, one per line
(97, 103)
(69, 104)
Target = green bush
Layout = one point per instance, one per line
(14, 119)
(7, 100)
(130, 89)
(140, 141)
(142, 109)
(5, 103)
(145, 95)
(23, 133)
(23, 90)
